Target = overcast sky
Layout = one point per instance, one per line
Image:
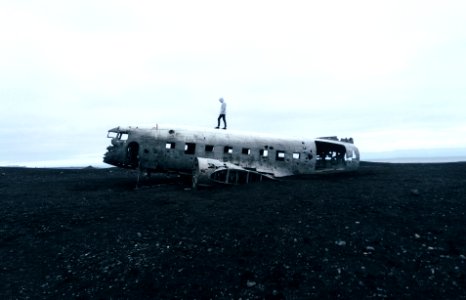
(390, 74)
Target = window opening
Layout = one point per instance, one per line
(228, 149)
(280, 155)
(123, 136)
(296, 155)
(189, 148)
(112, 135)
(209, 148)
(170, 145)
(264, 152)
(246, 151)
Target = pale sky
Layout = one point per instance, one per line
(390, 74)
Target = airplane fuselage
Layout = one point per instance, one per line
(170, 149)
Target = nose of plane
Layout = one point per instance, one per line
(122, 155)
(109, 156)
(115, 154)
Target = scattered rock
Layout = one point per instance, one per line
(415, 192)
(250, 283)
(340, 243)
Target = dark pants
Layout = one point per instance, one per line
(222, 116)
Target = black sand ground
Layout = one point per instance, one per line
(387, 231)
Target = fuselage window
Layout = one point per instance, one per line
(170, 145)
(189, 148)
(264, 153)
(123, 136)
(296, 155)
(280, 155)
(209, 148)
(228, 150)
(246, 151)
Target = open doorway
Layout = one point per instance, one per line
(330, 156)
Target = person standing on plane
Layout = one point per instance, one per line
(222, 115)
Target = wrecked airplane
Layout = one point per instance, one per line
(226, 157)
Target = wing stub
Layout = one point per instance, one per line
(208, 172)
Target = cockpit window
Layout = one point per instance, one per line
(117, 135)
(112, 134)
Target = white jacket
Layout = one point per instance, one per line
(223, 108)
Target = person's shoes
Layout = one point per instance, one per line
(224, 128)
(217, 127)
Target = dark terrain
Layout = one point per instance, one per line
(395, 231)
